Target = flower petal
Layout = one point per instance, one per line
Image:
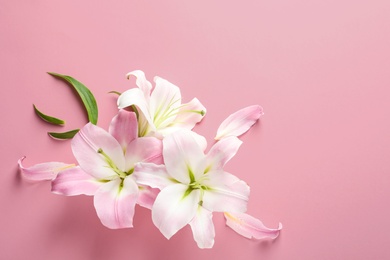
(226, 193)
(203, 228)
(144, 149)
(189, 114)
(136, 97)
(174, 208)
(222, 152)
(141, 81)
(115, 201)
(147, 196)
(75, 181)
(124, 127)
(183, 156)
(152, 175)
(165, 102)
(42, 171)
(239, 122)
(86, 144)
(250, 227)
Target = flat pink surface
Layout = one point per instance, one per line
(318, 161)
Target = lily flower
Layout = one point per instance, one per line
(193, 185)
(160, 111)
(106, 169)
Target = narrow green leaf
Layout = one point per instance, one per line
(64, 135)
(85, 94)
(49, 119)
(115, 92)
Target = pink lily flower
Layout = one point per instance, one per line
(160, 111)
(106, 169)
(193, 185)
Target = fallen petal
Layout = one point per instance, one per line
(239, 122)
(42, 171)
(250, 227)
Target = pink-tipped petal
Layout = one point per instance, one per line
(165, 102)
(42, 171)
(222, 152)
(174, 208)
(183, 156)
(190, 114)
(227, 193)
(135, 97)
(86, 146)
(144, 149)
(152, 175)
(203, 228)
(115, 202)
(141, 81)
(124, 128)
(250, 227)
(147, 196)
(75, 181)
(239, 122)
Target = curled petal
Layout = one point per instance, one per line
(174, 208)
(239, 122)
(135, 97)
(124, 128)
(96, 151)
(203, 228)
(75, 181)
(250, 227)
(222, 152)
(115, 201)
(152, 175)
(190, 114)
(141, 81)
(42, 171)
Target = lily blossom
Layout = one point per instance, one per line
(250, 227)
(239, 122)
(160, 111)
(107, 162)
(193, 185)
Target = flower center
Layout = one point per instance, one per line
(113, 166)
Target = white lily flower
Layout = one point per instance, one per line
(160, 111)
(193, 185)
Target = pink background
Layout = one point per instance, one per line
(318, 161)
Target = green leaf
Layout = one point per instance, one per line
(85, 95)
(64, 135)
(115, 92)
(49, 119)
